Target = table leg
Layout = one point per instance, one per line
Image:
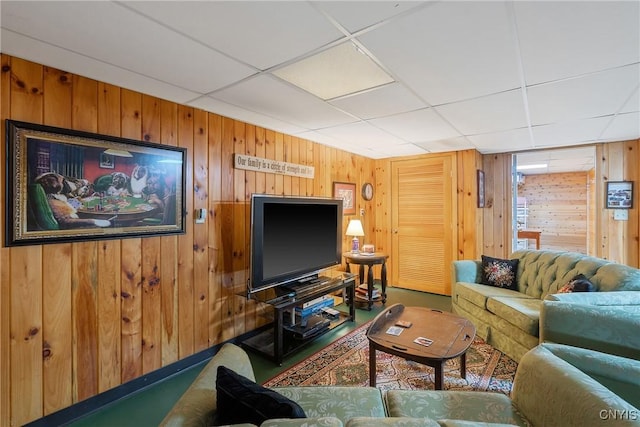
(463, 366)
(383, 281)
(370, 286)
(372, 366)
(439, 375)
(361, 274)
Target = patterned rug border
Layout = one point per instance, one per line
(345, 362)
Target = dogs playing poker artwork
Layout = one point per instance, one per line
(69, 186)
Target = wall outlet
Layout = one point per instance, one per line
(361, 211)
(621, 215)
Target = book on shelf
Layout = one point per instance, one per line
(307, 311)
(364, 290)
(317, 300)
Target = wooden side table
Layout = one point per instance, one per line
(377, 258)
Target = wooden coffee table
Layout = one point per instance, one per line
(451, 335)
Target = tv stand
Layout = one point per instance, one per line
(285, 338)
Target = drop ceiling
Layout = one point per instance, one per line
(494, 76)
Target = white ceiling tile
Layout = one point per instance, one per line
(416, 126)
(569, 133)
(260, 33)
(491, 113)
(623, 127)
(400, 150)
(361, 134)
(356, 15)
(65, 60)
(115, 35)
(560, 39)
(267, 95)
(453, 144)
(584, 97)
(224, 109)
(633, 104)
(449, 51)
(496, 142)
(383, 101)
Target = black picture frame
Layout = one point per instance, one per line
(58, 189)
(619, 195)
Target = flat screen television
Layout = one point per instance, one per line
(293, 238)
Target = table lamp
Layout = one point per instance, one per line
(355, 229)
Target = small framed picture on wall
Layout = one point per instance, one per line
(480, 188)
(347, 192)
(619, 195)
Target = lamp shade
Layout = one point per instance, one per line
(355, 228)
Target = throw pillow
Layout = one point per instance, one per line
(578, 284)
(241, 400)
(499, 272)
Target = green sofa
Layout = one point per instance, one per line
(555, 385)
(510, 319)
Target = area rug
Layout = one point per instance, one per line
(345, 362)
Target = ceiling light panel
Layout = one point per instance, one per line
(272, 97)
(379, 102)
(497, 112)
(270, 32)
(338, 71)
(584, 97)
(449, 51)
(563, 39)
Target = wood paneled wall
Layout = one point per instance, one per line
(557, 207)
(81, 318)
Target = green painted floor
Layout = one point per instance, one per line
(148, 407)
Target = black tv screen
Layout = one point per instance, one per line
(293, 237)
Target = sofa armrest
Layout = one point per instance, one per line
(591, 324)
(197, 406)
(547, 387)
(469, 271)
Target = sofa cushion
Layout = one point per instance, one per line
(306, 422)
(391, 421)
(240, 400)
(478, 293)
(521, 312)
(336, 401)
(499, 272)
(476, 406)
(465, 423)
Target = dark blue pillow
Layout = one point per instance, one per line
(241, 400)
(500, 272)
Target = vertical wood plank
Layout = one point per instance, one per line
(151, 260)
(249, 189)
(270, 153)
(131, 272)
(5, 306)
(56, 321)
(200, 246)
(215, 242)
(169, 252)
(185, 263)
(26, 273)
(239, 246)
(85, 263)
(227, 223)
(109, 289)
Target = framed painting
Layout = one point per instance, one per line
(59, 191)
(347, 192)
(480, 179)
(619, 195)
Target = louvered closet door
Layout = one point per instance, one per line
(423, 224)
